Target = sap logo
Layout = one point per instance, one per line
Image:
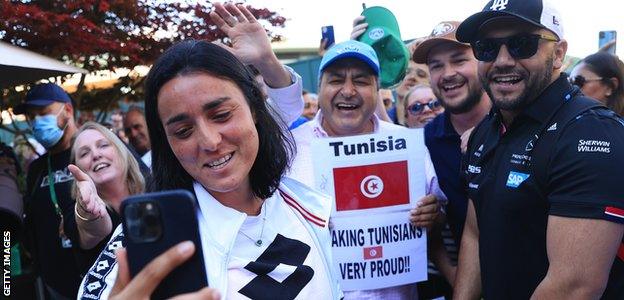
(474, 169)
(516, 178)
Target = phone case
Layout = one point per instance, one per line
(605, 37)
(179, 223)
(327, 33)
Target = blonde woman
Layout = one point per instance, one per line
(105, 173)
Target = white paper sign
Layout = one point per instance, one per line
(375, 180)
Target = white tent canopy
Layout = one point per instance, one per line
(21, 66)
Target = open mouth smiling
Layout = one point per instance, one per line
(220, 162)
(100, 166)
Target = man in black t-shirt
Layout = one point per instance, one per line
(544, 169)
(49, 206)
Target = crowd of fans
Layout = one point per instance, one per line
(479, 92)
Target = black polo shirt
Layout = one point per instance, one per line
(444, 146)
(584, 180)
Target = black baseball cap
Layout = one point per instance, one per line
(537, 12)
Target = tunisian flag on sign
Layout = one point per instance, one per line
(371, 186)
(373, 252)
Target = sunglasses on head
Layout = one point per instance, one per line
(580, 80)
(418, 108)
(519, 46)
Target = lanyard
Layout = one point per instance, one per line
(52, 191)
(65, 242)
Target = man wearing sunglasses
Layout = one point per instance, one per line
(544, 169)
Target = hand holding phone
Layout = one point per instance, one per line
(327, 35)
(142, 285)
(155, 222)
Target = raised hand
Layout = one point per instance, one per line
(359, 27)
(250, 42)
(144, 283)
(88, 199)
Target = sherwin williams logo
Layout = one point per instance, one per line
(594, 146)
(516, 178)
(376, 34)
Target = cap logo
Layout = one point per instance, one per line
(555, 21)
(499, 5)
(376, 33)
(442, 29)
(348, 48)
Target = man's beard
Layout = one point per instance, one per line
(472, 99)
(534, 86)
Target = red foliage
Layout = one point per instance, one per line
(107, 34)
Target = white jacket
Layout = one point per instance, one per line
(220, 229)
(218, 233)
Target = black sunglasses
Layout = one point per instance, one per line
(580, 80)
(417, 108)
(520, 46)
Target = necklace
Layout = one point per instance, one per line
(258, 242)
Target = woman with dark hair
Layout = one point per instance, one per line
(213, 134)
(601, 76)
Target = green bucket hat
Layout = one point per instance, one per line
(384, 36)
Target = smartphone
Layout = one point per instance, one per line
(327, 33)
(605, 37)
(153, 223)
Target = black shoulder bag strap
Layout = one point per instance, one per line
(544, 145)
